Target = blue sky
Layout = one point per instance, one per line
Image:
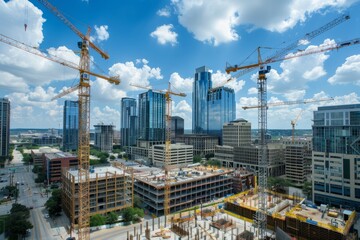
(154, 42)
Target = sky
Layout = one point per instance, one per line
(152, 43)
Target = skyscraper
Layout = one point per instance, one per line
(202, 83)
(104, 137)
(152, 110)
(336, 155)
(237, 133)
(177, 127)
(71, 125)
(4, 127)
(221, 109)
(129, 121)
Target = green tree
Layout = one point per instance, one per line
(53, 205)
(112, 157)
(209, 155)
(27, 158)
(41, 178)
(97, 220)
(132, 214)
(196, 159)
(111, 218)
(137, 201)
(216, 163)
(17, 223)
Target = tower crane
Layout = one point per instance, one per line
(84, 113)
(167, 186)
(294, 121)
(261, 213)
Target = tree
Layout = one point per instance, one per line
(41, 178)
(112, 157)
(16, 224)
(209, 155)
(53, 205)
(216, 163)
(196, 159)
(111, 218)
(132, 214)
(137, 201)
(97, 220)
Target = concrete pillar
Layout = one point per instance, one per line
(153, 223)
(158, 222)
(127, 237)
(134, 231)
(147, 231)
(131, 237)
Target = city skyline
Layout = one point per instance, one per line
(168, 42)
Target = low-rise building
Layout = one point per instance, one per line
(55, 162)
(180, 155)
(110, 190)
(203, 144)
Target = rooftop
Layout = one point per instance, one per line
(98, 172)
(56, 155)
(156, 176)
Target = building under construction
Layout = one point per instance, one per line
(111, 189)
(190, 186)
(295, 217)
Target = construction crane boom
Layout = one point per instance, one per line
(305, 101)
(282, 52)
(293, 123)
(167, 186)
(57, 13)
(36, 51)
(260, 218)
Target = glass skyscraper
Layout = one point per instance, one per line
(71, 125)
(4, 127)
(177, 127)
(221, 109)
(202, 83)
(152, 110)
(129, 121)
(336, 156)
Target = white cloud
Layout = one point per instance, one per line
(131, 73)
(164, 34)
(219, 79)
(184, 110)
(184, 85)
(252, 91)
(12, 82)
(106, 115)
(298, 72)
(102, 33)
(348, 72)
(215, 21)
(164, 12)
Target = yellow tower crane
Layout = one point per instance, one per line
(167, 186)
(294, 121)
(84, 111)
(260, 218)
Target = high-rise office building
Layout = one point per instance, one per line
(336, 155)
(104, 137)
(177, 127)
(221, 109)
(71, 125)
(202, 83)
(129, 122)
(237, 133)
(152, 110)
(4, 127)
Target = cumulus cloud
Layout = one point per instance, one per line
(219, 79)
(106, 115)
(164, 35)
(215, 21)
(298, 72)
(184, 110)
(164, 12)
(138, 73)
(252, 91)
(348, 72)
(102, 33)
(181, 84)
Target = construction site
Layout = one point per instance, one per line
(293, 216)
(111, 189)
(189, 186)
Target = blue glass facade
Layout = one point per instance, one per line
(4, 127)
(71, 125)
(221, 109)
(202, 83)
(336, 155)
(128, 121)
(152, 110)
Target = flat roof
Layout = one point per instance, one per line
(156, 176)
(59, 155)
(97, 172)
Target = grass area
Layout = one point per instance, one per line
(2, 222)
